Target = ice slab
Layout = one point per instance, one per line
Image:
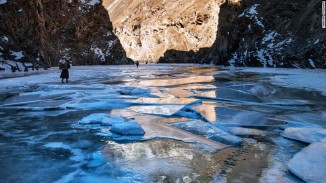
(229, 95)
(135, 91)
(235, 117)
(102, 118)
(39, 105)
(180, 81)
(100, 105)
(224, 75)
(209, 131)
(240, 131)
(308, 135)
(310, 163)
(95, 160)
(262, 91)
(165, 110)
(127, 128)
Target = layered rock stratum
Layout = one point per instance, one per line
(43, 31)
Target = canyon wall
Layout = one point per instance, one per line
(148, 28)
(43, 31)
(265, 33)
(271, 34)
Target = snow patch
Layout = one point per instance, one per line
(3, 1)
(312, 63)
(99, 53)
(4, 38)
(18, 54)
(90, 2)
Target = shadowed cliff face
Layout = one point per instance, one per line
(148, 28)
(271, 34)
(44, 31)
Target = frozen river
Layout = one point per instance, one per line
(200, 124)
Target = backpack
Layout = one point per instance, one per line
(63, 64)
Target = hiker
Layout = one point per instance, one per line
(137, 64)
(64, 65)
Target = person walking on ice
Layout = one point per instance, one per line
(64, 65)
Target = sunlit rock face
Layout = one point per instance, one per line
(147, 29)
(45, 31)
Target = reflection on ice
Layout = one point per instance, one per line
(207, 111)
(181, 81)
(165, 110)
(164, 101)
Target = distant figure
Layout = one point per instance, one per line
(137, 64)
(64, 65)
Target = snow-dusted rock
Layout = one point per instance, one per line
(310, 163)
(127, 128)
(308, 135)
(209, 131)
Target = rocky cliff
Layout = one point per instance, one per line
(270, 33)
(148, 28)
(44, 31)
(265, 33)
